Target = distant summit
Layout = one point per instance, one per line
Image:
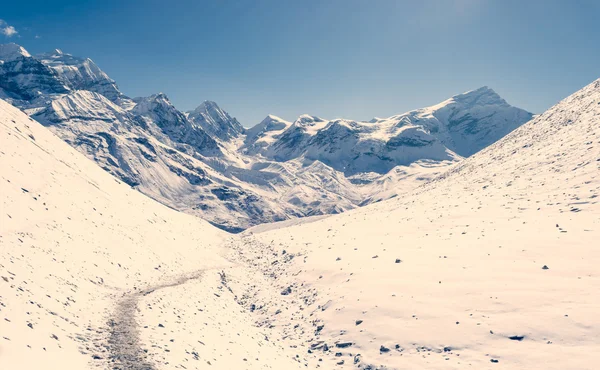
(215, 121)
(12, 51)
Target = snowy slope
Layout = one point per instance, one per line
(96, 275)
(492, 265)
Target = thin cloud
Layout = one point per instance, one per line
(6, 29)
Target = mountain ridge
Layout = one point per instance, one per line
(204, 162)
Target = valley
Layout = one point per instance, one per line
(462, 235)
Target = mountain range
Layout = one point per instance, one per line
(205, 163)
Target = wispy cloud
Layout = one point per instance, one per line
(6, 29)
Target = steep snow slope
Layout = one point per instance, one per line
(96, 275)
(492, 265)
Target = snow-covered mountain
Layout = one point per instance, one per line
(158, 152)
(205, 163)
(261, 136)
(81, 74)
(215, 121)
(463, 125)
(26, 81)
(157, 110)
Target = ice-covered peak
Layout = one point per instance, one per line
(215, 121)
(270, 123)
(481, 96)
(208, 105)
(152, 102)
(159, 98)
(81, 74)
(307, 118)
(273, 117)
(12, 51)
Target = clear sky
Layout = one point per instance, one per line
(351, 59)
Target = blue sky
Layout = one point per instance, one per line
(351, 59)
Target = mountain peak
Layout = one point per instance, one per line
(215, 121)
(145, 102)
(481, 96)
(159, 96)
(272, 118)
(208, 104)
(12, 51)
(307, 118)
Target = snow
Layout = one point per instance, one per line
(12, 51)
(264, 134)
(89, 269)
(491, 265)
(206, 164)
(81, 74)
(215, 121)
(483, 262)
